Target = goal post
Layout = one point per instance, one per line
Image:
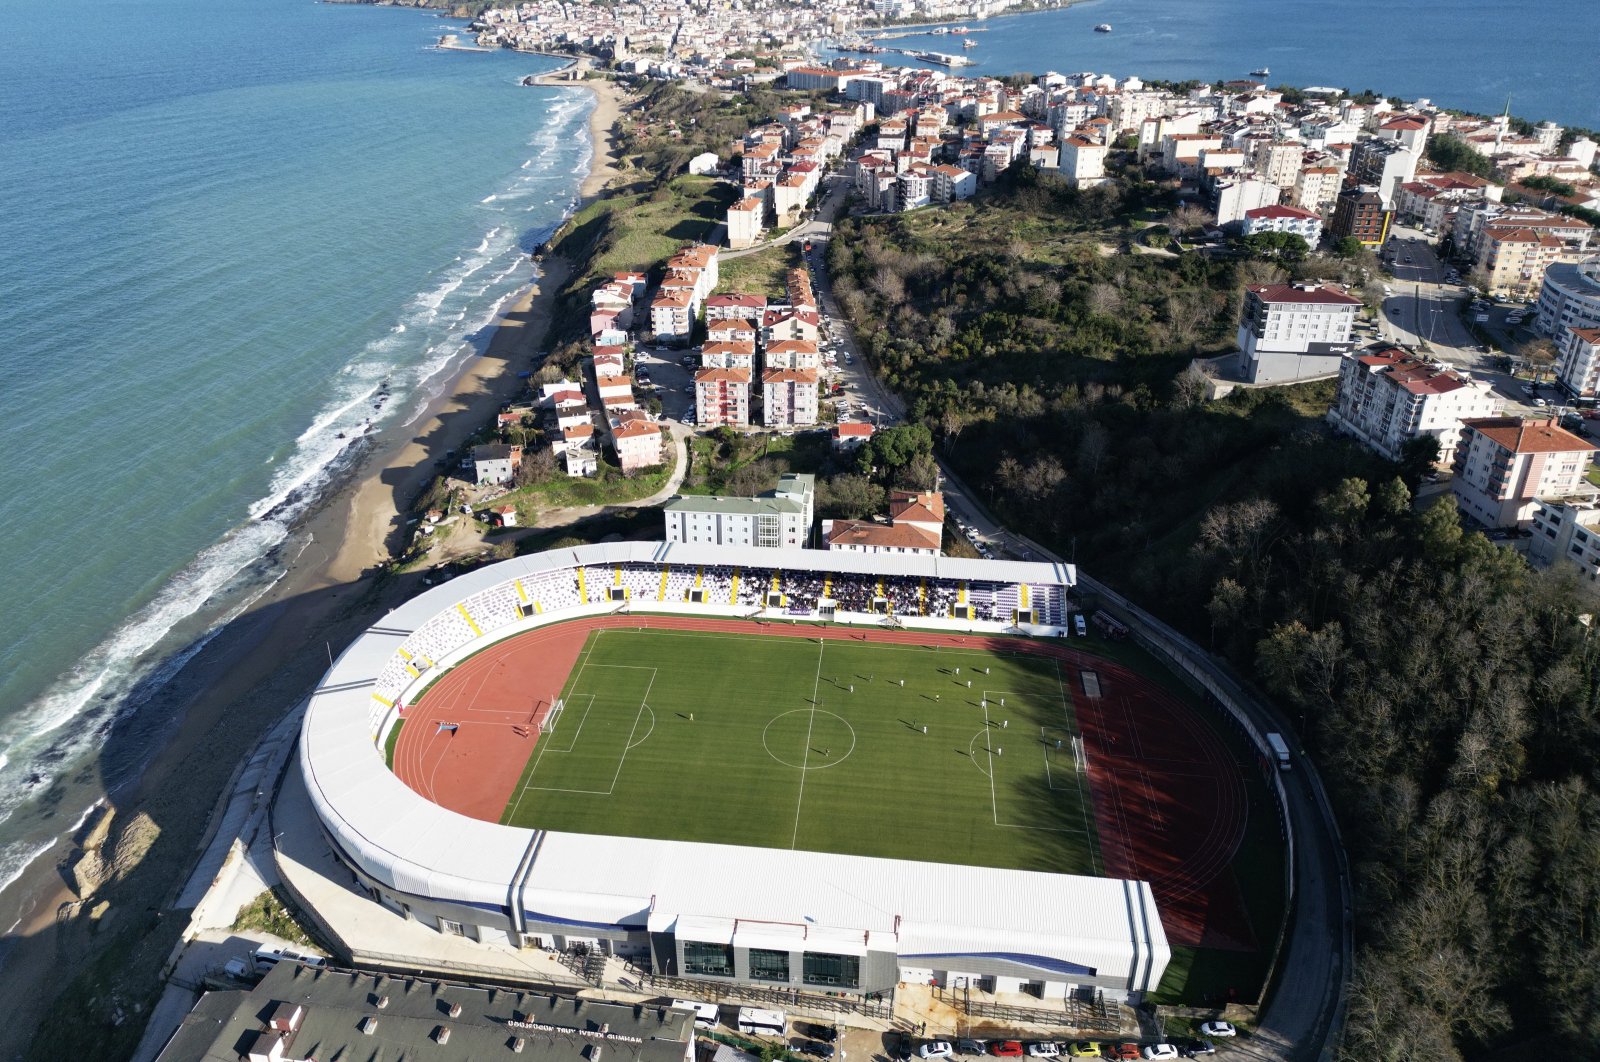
(547, 721)
(1080, 756)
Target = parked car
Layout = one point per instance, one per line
(817, 1031)
(1127, 1052)
(1190, 1048)
(1005, 1048)
(1079, 626)
(1219, 1030)
(898, 1045)
(1160, 1051)
(936, 1049)
(969, 1047)
(1044, 1049)
(816, 1048)
(1084, 1049)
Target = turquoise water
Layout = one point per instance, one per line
(1465, 54)
(232, 232)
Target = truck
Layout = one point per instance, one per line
(1280, 750)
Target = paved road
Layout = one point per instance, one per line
(1425, 312)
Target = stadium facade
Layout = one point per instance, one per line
(720, 913)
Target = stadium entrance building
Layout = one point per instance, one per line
(711, 912)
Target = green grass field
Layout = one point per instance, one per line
(738, 739)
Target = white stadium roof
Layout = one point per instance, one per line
(912, 908)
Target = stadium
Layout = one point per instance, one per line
(822, 771)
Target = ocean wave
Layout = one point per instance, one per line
(41, 746)
(393, 378)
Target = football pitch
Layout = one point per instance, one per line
(943, 755)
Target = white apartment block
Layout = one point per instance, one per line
(744, 221)
(1237, 196)
(1317, 187)
(1083, 161)
(1566, 534)
(1503, 465)
(1294, 331)
(1277, 161)
(789, 398)
(1299, 222)
(1578, 365)
(1569, 297)
(778, 518)
(1389, 397)
(722, 396)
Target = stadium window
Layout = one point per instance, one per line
(768, 965)
(704, 958)
(837, 971)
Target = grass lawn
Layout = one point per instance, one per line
(610, 487)
(664, 735)
(641, 230)
(762, 273)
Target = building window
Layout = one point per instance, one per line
(705, 958)
(838, 971)
(769, 965)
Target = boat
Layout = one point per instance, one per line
(969, 43)
(942, 59)
(1104, 27)
(1263, 72)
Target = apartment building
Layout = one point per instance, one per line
(1388, 397)
(1578, 364)
(1277, 218)
(722, 396)
(789, 397)
(780, 517)
(1295, 331)
(1569, 297)
(1503, 465)
(1360, 212)
(1316, 187)
(1566, 535)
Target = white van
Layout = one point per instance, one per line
(705, 1014)
(762, 1022)
(267, 957)
(1280, 750)
(1080, 626)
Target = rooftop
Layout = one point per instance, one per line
(1528, 436)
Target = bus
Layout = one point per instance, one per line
(705, 1014)
(761, 1022)
(1280, 750)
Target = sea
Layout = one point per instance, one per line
(236, 241)
(239, 238)
(1472, 55)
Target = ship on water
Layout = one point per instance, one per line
(1104, 27)
(942, 59)
(1263, 72)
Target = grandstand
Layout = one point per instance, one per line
(713, 910)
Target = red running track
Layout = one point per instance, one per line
(1169, 802)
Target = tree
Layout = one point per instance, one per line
(1288, 246)
(1418, 457)
(892, 449)
(1451, 154)
(1347, 247)
(538, 466)
(850, 497)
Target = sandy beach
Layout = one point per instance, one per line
(255, 670)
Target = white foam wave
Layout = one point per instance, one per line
(392, 376)
(16, 858)
(40, 746)
(488, 199)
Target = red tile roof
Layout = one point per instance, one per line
(1277, 211)
(1320, 296)
(1528, 436)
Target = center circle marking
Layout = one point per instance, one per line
(812, 762)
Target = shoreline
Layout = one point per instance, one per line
(257, 667)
